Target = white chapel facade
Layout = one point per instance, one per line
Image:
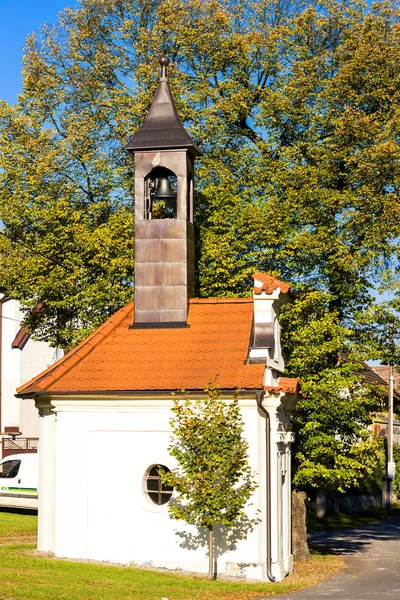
(102, 498)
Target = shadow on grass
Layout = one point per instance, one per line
(347, 520)
(354, 539)
(18, 511)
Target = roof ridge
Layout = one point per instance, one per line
(219, 300)
(74, 356)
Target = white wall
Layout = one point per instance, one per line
(18, 367)
(102, 511)
(35, 357)
(10, 368)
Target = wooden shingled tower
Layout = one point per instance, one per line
(164, 232)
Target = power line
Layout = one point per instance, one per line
(11, 319)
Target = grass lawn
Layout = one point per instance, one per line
(17, 527)
(348, 520)
(25, 576)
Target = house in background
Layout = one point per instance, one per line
(102, 498)
(381, 422)
(384, 372)
(20, 358)
(378, 375)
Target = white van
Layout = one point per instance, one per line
(19, 474)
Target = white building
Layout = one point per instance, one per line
(20, 359)
(101, 498)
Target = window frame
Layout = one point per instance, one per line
(7, 475)
(160, 492)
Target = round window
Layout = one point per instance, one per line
(158, 492)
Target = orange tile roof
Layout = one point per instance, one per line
(118, 358)
(269, 284)
(287, 385)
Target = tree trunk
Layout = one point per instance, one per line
(210, 553)
(299, 528)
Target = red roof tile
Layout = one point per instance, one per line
(20, 339)
(287, 385)
(118, 358)
(269, 284)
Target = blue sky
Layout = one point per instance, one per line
(19, 18)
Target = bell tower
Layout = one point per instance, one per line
(164, 232)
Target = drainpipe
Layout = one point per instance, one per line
(260, 398)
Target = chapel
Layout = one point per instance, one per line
(105, 407)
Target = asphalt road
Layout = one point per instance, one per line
(373, 556)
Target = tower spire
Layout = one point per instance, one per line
(164, 229)
(162, 129)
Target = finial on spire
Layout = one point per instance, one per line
(164, 62)
(162, 130)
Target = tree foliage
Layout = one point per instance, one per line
(335, 448)
(295, 105)
(213, 479)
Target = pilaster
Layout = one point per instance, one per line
(279, 407)
(47, 476)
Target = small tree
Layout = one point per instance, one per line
(213, 479)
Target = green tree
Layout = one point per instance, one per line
(213, 479)
(334, 448)
(295, 105)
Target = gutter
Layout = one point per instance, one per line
(34, 393)
(259, 399)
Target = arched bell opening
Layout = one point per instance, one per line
(161, 187)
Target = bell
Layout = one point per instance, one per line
(164, 190)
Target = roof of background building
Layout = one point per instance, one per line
(383, 372)
(369, 375)
(20, 339)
